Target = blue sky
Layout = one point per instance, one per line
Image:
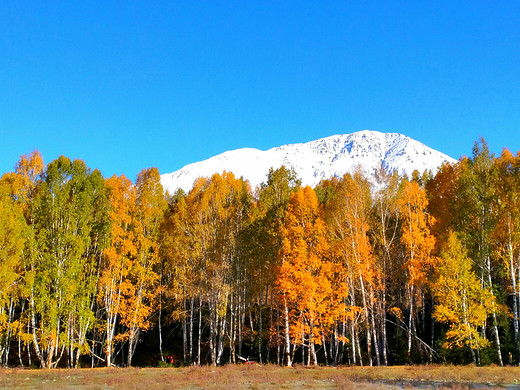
(126, 85)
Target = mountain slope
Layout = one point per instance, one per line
(317, 160)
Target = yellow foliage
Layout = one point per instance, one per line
(461, 301)
(397, 313)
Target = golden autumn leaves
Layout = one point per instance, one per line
(310, 284)
(342, 273)
(85, 240)
(129, 278)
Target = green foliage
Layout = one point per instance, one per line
(462, 302)
(70, 224)
(87, 265)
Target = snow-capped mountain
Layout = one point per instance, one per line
(316, 160)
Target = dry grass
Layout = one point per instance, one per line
(265, 377)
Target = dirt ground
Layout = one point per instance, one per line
(266, 377)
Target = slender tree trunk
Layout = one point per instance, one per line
(192, 314)
(212, 332)
(29, 358)
(353, 339)
(159, 324)
(39, 352)
(232, 330)
(410, 321)
(303, 346)
(517, 298)
(358, 346)
(241, 321)
(497, 339)
(200, 332)
(342, 344)
(251, 326)
(222, 331)
(287, 335)
(512, 274)
(292, 348)
(432, 340)
(383, 325)
(312, 347)
(184, 332)
(70, 346)
(132, 343)
(374, 337)
(335, 355)
(20, 351)
(20, 338)
(495, 321)
(324, 344)
(222, 321)
(78, 354)
(260, 336)
(8, 333)
(278, 338)
(367, 321)
(270, 345)
(465, 319)
(109, 341)
(2, 342)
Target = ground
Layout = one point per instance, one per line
(238, 377)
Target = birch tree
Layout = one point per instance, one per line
(419, 244)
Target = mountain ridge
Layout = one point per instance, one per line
(316, 160)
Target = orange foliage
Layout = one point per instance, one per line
(310, 283)
(416, 236)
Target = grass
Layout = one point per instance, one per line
(238, 377)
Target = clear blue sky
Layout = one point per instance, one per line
(126, 85)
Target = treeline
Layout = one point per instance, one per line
(97, 271)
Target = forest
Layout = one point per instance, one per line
(99, 271)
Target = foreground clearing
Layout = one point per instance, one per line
(266, 377)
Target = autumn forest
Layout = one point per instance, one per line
(99, 271)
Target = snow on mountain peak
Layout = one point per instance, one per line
(316, 160)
